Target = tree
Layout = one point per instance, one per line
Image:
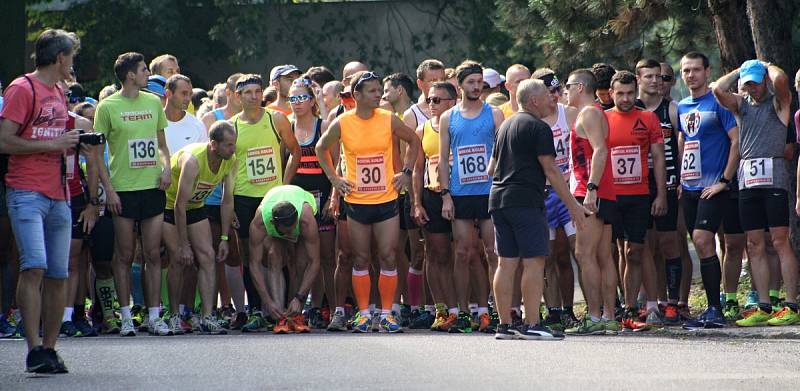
(734, 38)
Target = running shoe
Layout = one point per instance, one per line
(282, 327)
(186, 326)
(447, 323)
(494, 320)
(538, 332)
(785, 317)
(315, 318)
(654, 319)
(175, 324)
(6, 329)
(754, 317)
(227, 313)
(405, 315)
(441, 317)
(421, 319)
(138, 315)
(68, 329)
(777, 303)
(505, 331)
(194, 321)
(516, 320)
(569, 320)
(752, 300)
(41, 360)
(553, 321)
(462, 325)
(109, 326)
(362, 324)
(239, 320)
(587, 327)
(145, 321)
(256, 323)
(483, 323)
(376, 326)
(158, 327)
(338, 323)
(389, 324)
(126, 328)
(298, 324)
(671, 315)
(642, 313)
(630, 321)
(683, 311)
(83, 326)
(731, 310)
(209, 325)
(711, 318)
(611, 326)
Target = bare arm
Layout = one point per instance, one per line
(189, 172)
(722, 91)
(12, 144)
(444, 149)
(288, 139)
(673, 120)
(733, 155)
(556, 179)
(783, 96)
(226, 212)
(419, 174)
(163, 153)
(310, 234)
(259, 242)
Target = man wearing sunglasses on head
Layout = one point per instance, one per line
(370, 190)
(468, 130)
(428, 72)
(262, 135)
(281, 77)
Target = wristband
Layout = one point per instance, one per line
(223, 237)
(301, 297)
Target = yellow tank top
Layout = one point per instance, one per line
(367, 146)
(430, 146)
(507, 110)
(206, 179)
(258, 148)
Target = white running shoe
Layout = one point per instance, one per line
(127, 329)
(158, 327)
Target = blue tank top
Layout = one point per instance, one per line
(471, 143)
(219, 115)
(216, 197)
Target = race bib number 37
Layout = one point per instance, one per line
(758, 172)
(626, 164)
(472, 164)
(370, 174)
(142, 153)
(260, 165)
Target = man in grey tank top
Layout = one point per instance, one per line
(763, 180)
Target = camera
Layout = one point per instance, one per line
(91, 138)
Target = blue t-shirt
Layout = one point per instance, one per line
(705, 125)
(471, 143)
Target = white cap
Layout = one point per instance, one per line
(492, 77)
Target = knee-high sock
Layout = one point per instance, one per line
(361, 286)
(414, 281)
(387, 285)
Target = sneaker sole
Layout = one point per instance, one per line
(504, 337)
(538, 338)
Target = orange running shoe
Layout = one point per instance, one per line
(282, 327)
(449, 322)
(483, 322)
(298, 324)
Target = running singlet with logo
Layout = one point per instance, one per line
(471, 144)
(705, 125)
(762, 139)
(430, 146)
(206, 180)
(216, 197)
(258, 149)
(309, 174)
(561, 142)
(295, 195)
(131, 128)
(368, 151)
(630, 135)
(670, 146)
(581, 159)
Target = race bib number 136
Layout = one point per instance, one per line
(142, 153)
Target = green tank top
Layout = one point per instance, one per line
(206, 179)
(294, 195)
(258, 148)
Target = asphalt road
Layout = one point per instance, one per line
(410, 361)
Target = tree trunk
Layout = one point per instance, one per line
(771, 27)
(733, 36)
(12, 62)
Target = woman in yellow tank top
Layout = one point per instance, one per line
(370, 190)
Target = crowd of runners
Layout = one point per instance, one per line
(455, 200)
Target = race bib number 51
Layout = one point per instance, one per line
(261, 165)
(472, 164)
(626, 164)
(370, 174)
(758, 172)
(142, 153)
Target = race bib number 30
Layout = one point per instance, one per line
(142, 153)
(472, 164)
(691, 168)
(260, 165)
(626, 164)
(202, 191)
(758, 172)
(370, 174)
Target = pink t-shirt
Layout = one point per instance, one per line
(40, 172)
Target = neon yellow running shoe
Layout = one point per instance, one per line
(785, 317)
(753, 318)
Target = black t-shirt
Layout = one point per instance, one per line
(518, 177)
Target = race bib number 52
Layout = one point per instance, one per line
(472, 164)
(370, 174)
(142, 153)
(626, 164)
(691, 168)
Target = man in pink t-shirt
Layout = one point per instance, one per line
(33, 132)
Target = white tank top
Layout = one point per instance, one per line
(419, 115)
(561, 142)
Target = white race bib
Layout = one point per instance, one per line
(758, 172)
(370, 174)
(202, 191)
(472, 164)
(317, 197)
(70, 163)
(433, 173)
(260, 165)
(691, 168)
(626, 164)
(101, 196)
(142, 153)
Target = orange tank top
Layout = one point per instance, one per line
(367, 146)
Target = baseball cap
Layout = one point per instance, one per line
(156, 84)
(282, 70)
(752, 70)
(492, 77)
(550, 80)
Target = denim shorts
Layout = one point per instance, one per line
(43, 228)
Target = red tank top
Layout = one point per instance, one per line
(73, 164)
(582, 153)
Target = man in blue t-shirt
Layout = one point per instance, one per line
(709, 140)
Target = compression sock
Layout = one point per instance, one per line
(711, 272)
(104, 289)
(414, 282)
(136, 284)
(387, 285)
(361, 286)
(673, 270)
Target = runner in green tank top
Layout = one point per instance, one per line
(196, 170)
(285, 224)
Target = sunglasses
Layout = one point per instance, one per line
(302, 81)
(364, 78)
(299, 98)
(436, 100)
(568, 85)
(667, 78)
